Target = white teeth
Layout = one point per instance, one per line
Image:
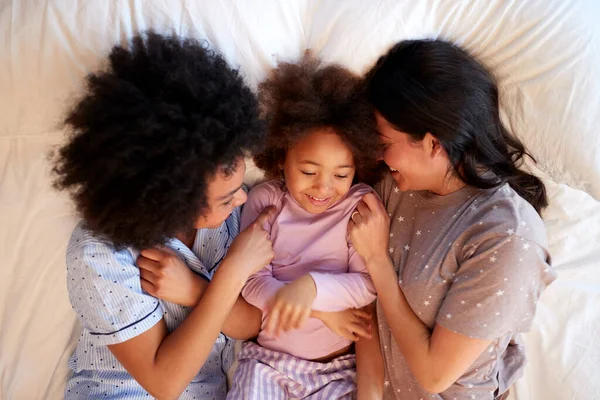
(393, 170)
(316, 198)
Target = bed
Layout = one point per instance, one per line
(545, 53)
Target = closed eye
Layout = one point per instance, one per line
(308, 173)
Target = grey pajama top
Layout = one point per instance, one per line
(474, 261)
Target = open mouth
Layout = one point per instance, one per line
(318, 201)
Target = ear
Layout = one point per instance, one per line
(432, 145)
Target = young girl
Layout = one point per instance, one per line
(156, 158)
(458, 250)
(320, 142)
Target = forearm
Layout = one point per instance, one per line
(183, 352)
(244, 321)
(336, 292)
(260, 289)
(369, 363)
(411, 335)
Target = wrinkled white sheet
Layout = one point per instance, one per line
(546, 55)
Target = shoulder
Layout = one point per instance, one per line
(356, 192)
(86, 243)
(500, 212)
(269, 191)
(385, 187)
(105, 290)
(353, 197)
(91, 254)
(501, 226)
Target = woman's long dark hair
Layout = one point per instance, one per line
(433, 86)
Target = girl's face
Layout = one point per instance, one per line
(318, 170)
(415, 165)
(224, 194)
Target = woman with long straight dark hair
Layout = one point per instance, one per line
(457, 251)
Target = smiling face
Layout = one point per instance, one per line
(224, 194)
(415, 165)
(318, 170)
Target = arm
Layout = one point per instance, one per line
(291, 306)
(164, 363)
(436, 357)
(369, 363)
(317, 295)
(243, 321)
(261, 287)
(336, 292)
(173, 281)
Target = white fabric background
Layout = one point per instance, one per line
(546, 54)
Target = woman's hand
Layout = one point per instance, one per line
(291, 305)
(369, 229)
(166, 276)
(251, 250)
(350, 324)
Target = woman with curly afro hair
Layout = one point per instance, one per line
(321, 144)
(155, 165)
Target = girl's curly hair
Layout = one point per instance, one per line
(298, 98)
(149, 134)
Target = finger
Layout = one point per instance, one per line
(147, 264)
(351, 226)
(272, 320)
(346, 334)
(303, 317)
(356, 218)
(298, 318)
(264, 217)
(372, 201)
(362, 208)
(364, 315)
(361, 330)
(288, 320)
(148, 276)
(166, 250)
(154, 254)
(285, 319)
(148, 287)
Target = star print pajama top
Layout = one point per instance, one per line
(474, 261)
(105, 291)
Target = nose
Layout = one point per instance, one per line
(323, 184)
(240, 197)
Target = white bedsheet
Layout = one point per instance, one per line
(545, 53)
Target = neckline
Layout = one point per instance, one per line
(459, 195)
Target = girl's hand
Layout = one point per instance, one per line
(251, 250)
(350, 324)
(164, 275)
(291, 305)
(369, 229)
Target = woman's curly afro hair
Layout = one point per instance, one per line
(149, 134)
(298, 98)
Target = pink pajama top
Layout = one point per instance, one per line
(308, 243)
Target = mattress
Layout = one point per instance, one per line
(546, 55)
